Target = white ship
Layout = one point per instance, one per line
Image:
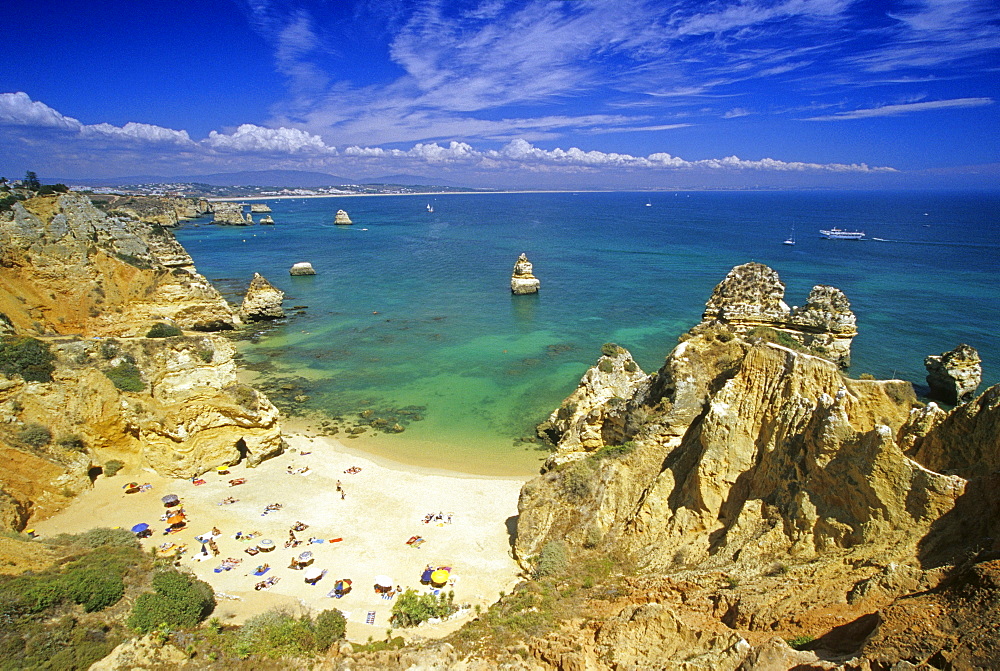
(838, 234)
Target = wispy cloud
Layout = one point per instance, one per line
(906, 108)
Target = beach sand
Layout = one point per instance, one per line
(384, 504)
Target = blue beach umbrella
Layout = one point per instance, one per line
(139, 528)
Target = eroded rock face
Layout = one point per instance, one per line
(262, 300)
(954, 376)
(341, 219)
(752, 297)
(163, 211)
(68, 268)
(521, 280)
(817, 497)
(593, 416)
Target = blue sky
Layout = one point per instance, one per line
(561, 93)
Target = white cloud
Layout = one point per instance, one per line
(521, 154)
(737, 112)
(907, 108)
(142, 132)
(17, 109)
(257, 139)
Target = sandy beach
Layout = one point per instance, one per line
(382, 505)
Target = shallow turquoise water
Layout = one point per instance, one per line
(411, 308)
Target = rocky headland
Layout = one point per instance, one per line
(111, 355)
(163, 211)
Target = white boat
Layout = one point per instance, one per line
(838, 234)
(430, 208)
(790, 240)
(649, 203)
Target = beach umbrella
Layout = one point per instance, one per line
(265, 545)
(139, 528)
(176, 518)
(130, 485)
(222, 469)
(305, 557)
(383, 581)
(313, 573)
(439, 577)
(170, 500)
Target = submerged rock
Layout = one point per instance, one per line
(954, 376)
(262, 300)
(342, 219)
(522, 281)
(302, 268)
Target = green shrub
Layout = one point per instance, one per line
(178, 600)
(412, 608)
(552, 560)
(614, 451)
(95, 589)
(605, 366)
(277, 634)
(73, 442)
(162, 330)
(331, 625)
(112, 467)
(800, 642)
(32, 359)
(126, 376)
(35, 435)
(611, 349)
(866, 376)
(576, 480)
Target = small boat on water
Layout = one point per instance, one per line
(430, 208)
(839, 234)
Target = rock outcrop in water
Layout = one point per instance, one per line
(302, 268)
(230, 214)
(954, 376)
(751, 299)
(262, 301)
(81, 289)
(260, 207)
(521, 280)
(341, 219)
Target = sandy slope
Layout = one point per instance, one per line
(384, 505)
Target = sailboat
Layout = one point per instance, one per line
(790, 240)
(430, 208)
(649, 203)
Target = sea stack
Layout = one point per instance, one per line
(262, 301)
(230, 214)
(260, 207)
(302, 268)
(522, 281)
(954, 376)
(342, 219)
(266, 220)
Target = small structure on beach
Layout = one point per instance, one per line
(521, 280)
(302, 268)
(342, 219)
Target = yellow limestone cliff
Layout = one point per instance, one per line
(87, 289)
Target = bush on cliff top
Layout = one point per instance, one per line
(412, 608)
(161, 330)
(276, 634)
(32, 359)
(178, 600)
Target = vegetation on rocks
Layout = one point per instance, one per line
(177, 600)
(276, 634)
(412, 608)
(126, 376)
(162, 330)
(30, 358)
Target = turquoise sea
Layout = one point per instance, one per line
(412, 309)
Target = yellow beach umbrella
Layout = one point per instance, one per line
(439, 577)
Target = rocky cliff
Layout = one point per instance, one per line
(66, 267)
(762, 489)
(159, 210)
(102, 360)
